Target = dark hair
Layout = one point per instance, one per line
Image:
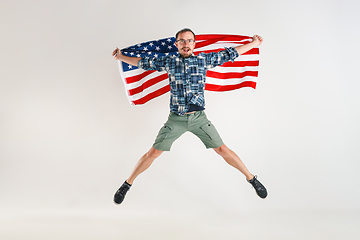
(184, 30)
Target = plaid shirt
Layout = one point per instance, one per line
(187, 75)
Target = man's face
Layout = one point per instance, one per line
(185, 43)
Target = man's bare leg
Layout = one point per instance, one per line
(234, 160)
(144, 163)
(231, 158)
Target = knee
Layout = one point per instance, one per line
(222, 150)
(154, 153)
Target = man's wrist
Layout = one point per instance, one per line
(253, 44)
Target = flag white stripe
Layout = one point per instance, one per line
(125, 84)
(149, 77)
(216, 46)
(218, 69)
(241, 58)
(133, 72)
(250, 57)
(149, 90)
(234, 69)
(228, 41)
(226, 82)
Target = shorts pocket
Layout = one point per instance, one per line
(163, 133)
(208, 128)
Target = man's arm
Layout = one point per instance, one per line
(257, 40)
(130, 60)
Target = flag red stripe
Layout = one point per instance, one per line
(138, 77)
(205, 43)
(250, 52)
(211, 41)
(213, 38)
(222, 88)
(152, 95)
(229, 75)
(147, 84)
(241, 64)
(221, 37)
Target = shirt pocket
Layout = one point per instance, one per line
(197, 82)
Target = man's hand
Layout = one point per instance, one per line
(116, 54)
(257, 40)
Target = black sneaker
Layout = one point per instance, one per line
(259, 188)
(121, 192)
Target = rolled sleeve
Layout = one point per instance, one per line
(232, 52)
(216, 59)
(150, 63)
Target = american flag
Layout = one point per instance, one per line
(142, 86)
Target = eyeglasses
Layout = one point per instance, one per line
(182, 41)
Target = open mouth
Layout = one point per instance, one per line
(186, 50)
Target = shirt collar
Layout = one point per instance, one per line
(178, 55)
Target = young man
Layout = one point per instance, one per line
(187, 74)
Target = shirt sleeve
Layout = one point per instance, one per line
(218, 58)
(152, 63)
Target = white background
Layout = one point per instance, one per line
(69, 138)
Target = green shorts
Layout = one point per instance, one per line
(197, 123)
